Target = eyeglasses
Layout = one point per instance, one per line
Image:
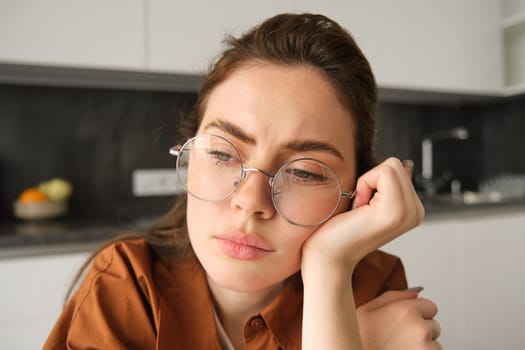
(305, 191)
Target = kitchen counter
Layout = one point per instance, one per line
(23, 239)
(439, 209)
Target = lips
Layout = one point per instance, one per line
(242, 246)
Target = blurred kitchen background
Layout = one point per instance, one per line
(93, 91)
(96, 138)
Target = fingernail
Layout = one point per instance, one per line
(407, 163)
(415, 289)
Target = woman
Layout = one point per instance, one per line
(264, 252)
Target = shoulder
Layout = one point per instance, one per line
(376, 273)
(123, 270)
(126, 256)
(116, 300)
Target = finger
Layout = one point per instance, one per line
(363, 193)
(435, 329)
(407, 197)
(435, 345)
(417, 289)
(426, 308)
(381, 178)
(403, 169)
(383, 211)
(409, 167)
(410, 196)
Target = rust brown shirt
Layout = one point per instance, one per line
(130, 299)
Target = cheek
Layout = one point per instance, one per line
(293, 237)
(197, 217)
(197, 211)
(291, 247)
(344, 205)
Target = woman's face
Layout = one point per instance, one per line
(271, 114)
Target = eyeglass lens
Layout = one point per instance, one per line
(305, 191)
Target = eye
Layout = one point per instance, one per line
(303, 174)
(305, 177)
(222, 158)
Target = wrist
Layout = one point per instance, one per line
(327, 272)
(329, 315)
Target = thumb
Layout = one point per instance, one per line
(391, 296)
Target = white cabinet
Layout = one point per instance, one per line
(513, 28)
(472, 266)
(431, 255)
(105, 34)
(33, 291)
(446, 45)
(186, 36)
(494, 282)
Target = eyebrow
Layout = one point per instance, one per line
(296, 145)
(314, 145)
(231, 129)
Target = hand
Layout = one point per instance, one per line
(398, 320)
(386, 205)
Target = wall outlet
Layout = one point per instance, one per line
(155, 182)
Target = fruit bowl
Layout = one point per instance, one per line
(46, 201)
(39, 210)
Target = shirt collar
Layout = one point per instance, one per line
(186, 309)
(184, 291)
(284, 314)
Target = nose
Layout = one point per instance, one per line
(253, 196)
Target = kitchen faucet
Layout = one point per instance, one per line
(429, 182)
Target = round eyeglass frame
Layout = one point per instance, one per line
(178, 149)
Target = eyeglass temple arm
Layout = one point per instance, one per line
(175, 150)
(348, 195)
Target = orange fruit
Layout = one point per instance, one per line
(33, 195)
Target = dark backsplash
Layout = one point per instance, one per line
(96, 138)
(494, 146)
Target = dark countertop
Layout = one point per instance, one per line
(443, 209)
(23, 239)
(20, 239)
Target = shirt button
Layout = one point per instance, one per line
(256, 323)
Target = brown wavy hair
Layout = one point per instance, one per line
(286, 39)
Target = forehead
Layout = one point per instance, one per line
(278, 103)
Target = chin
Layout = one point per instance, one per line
(243, 276)
(239, 284)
